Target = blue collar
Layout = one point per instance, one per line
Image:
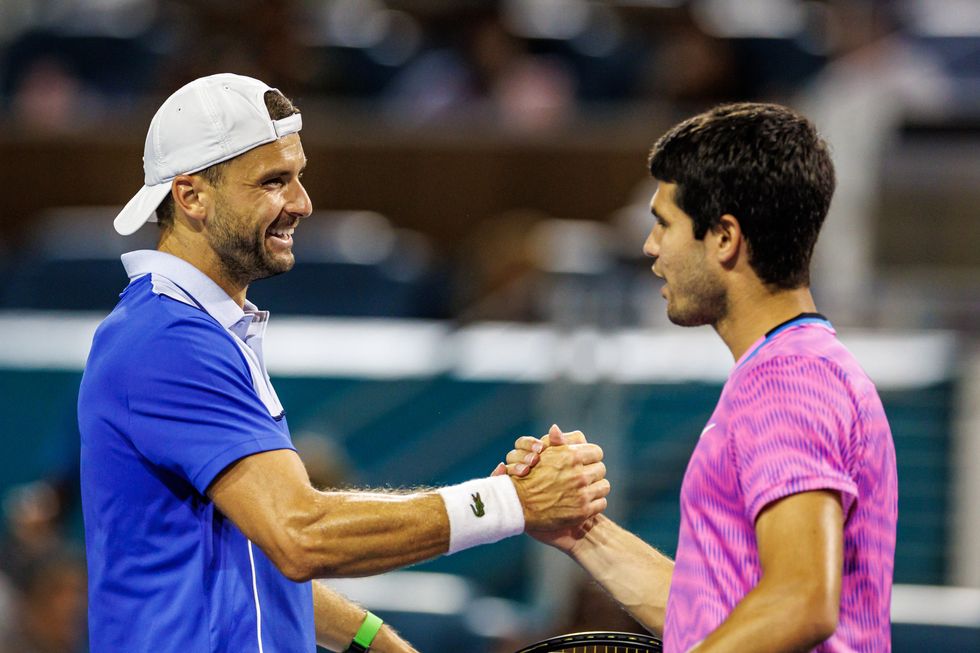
(802, 318)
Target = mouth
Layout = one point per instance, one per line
(663, 286)
(280, 235)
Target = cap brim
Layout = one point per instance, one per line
(141, 208)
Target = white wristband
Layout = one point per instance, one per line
(482, 511)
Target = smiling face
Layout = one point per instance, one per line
(257, 204)
(694, 292)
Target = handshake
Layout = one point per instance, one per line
(561, 483)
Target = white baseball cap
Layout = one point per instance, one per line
(210, 120)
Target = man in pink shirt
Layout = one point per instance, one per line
(789, 501)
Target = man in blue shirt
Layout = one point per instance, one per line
(202, 528)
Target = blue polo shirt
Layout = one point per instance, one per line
(174, 391)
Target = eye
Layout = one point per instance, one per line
(274, 181)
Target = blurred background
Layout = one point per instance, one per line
(473, 269)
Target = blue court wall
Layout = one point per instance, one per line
(402, 433)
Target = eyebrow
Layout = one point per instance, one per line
(281, 172)
(656, 215)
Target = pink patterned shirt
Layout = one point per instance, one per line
(797, 414)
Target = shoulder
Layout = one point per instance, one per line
(798, 369)
(790, 393)
(147, 329)
(813, 366)
(793, 397)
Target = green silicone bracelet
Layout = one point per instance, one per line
(368, 630)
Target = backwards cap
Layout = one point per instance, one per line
(210, 120)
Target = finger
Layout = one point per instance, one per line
(575, 437)
(600, 489)
(555, 436)
(515, 456)
(594, 472)
(587, 453)
(499, 470)
(529, 443)
(519, 469)
(597, 506)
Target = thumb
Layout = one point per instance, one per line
(555, 436)
(499, 470)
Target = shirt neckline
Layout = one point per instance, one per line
(202, 289)
(803, 319)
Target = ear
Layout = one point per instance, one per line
(192, 196)
(727, 240)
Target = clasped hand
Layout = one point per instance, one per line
(565, 491)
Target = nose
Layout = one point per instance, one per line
(651, 246)
(300, 203)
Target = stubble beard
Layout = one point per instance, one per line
(699, 300)
(240, 248)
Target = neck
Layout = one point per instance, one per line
(752, 315)
(188, 247)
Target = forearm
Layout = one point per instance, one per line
(337, 620)
(772, 618)
(312, 534)
(634, 573)
(362, 533)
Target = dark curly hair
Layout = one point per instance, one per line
(766, 165)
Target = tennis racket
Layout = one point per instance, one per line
(596, 642)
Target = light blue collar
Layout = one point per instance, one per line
(201, 288)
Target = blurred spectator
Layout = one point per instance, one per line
(50, 98)
(488, 68)
(876, 77)
(66, 62)
(258, 38)
(688, 65)
(33, 513)
(50, 615)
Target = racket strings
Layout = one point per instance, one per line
(605, 648)
(596, 642)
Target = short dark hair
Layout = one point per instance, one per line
(766, 165)
(279, 107)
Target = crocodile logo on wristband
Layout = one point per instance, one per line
(477, 505)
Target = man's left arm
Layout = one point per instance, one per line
(796, 603)
(337, 620)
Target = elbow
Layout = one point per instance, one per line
(293, 559)
(821, 612)
(296, 570)
(302, 553)
(294, 551)
(825, 628)
(296, 573)
(821, 629)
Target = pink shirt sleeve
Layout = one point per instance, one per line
(791, 431)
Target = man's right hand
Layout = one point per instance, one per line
(527, 449)
(525, 455)
(568, 485)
